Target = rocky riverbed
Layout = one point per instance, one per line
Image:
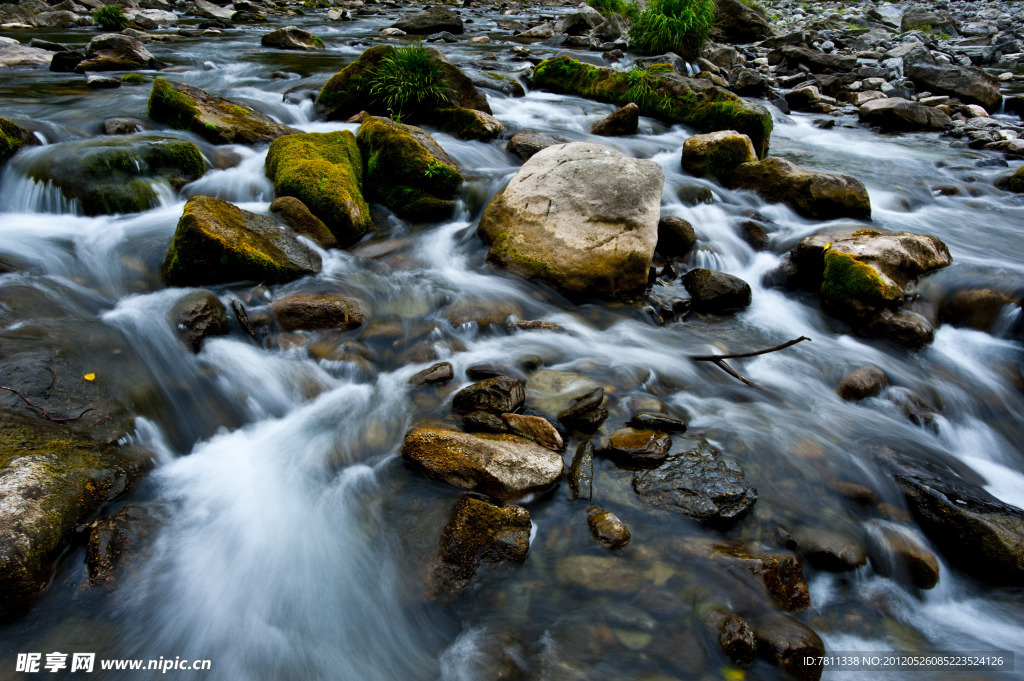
(595, 365)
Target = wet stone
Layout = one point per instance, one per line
(830, 549)
(791, 645)
(581, 472)
(484, 422)
(536, 428)
(499, 395)
(859, 384)
(442, 372)
(637, 447)
(608, 528)
(651, 421)
(737, 640)
(198, 316)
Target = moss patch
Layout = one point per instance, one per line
(12, 138)
(848, 280)
(1015, 184)
(348, 91)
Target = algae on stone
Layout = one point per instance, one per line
(12, 138)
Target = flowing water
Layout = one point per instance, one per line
(293, 544)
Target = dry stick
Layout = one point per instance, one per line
(45, 414)
(719, 360)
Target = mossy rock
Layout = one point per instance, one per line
(407, 171)
(1014, 184)
(812, 194)
(717, 153)
(694, 102)
(467, 124)
(848, 280)
(114, 174)
(50, 482)
(325, 172)
(217, 242)
(216, 119)
(12, 138)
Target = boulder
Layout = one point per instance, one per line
(499, 395)
(618, 123)
(61, 19)
(612, 29)
(13, 53)
(433, 20)
(607, 528)
(309, 312)
(13, 13)
(210, 10)
(795, 56)
(676, 237)
(695, 102)
(1016, 181)
(924, 20)
(815, 195)
(895, 114)
(216, 119)
(903, 328)
(292, 38)
(525, 144)
(66, 61)
(862, 383)
(632, 447)
(116, 52)
(791, 645)
(582, 21)
(467, 124)
(479, 535)
(407, 170)
(717, 153)
(324, 171)
(579, 216)
(502, 466)
(738, 22)
(115, 174)
(716, 292)
(198, 316)
(12, 138)
(298, 217)
(968, 84)
(216, 242)
(698, 483)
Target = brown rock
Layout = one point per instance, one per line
(536, 428)
(500, 394)
(859, 384)
(479, 534)
(676, 237)
(619, 123)
(296, 215)
(442, 372)
(737, 640)
(312, 311)
(638, 447)
(791, 645)
(828, 549)
(197, 316)
(608, 528)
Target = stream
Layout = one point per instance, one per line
(292, 540)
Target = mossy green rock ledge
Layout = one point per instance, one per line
(217, 242)
(115, 174)
(216, 119)
(811, 194)
(695, 102)
(12, 138)
(325, 172)
(407, 171)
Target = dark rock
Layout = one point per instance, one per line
(792, 56)
(676, 237)
(894, 114)
(310, 312)
(442, 372)
(978, 309)
(114, 540)
(12, 138)
(291, 38)
(116, 52)
(296, 215)
(754, 234)
(198, 316)
(607, 528)
(738, 22)
(904, 329)
(791, 645)
(433, 20)
(897, 554)
(620, 122)
(699, 484)
(65, 62)
(737, 640)
(123, 126)
(861, 383)
(581, 472)
(832, 550)
(48, 45)
(803, 98)
(499, 395)
(780, 573)
(585, 410)
(583, 21)
(970, 85)
(651, 421)
(633, 447)
(478, 535)
(479, 372)
(484, 422)
(716, 292)
(748, 82)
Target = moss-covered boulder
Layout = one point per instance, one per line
(324, 171)
(216, 119)
(292, 38)
(348, 91)
(296, 215)
(116, 52)
(579, 216)
(467, 124)
(115, 174)
(407, 171)
(695, 102)
(12, 138)
(1016, 181)
(717, 153)
(816, 195)
(50, 482)
(217, 242)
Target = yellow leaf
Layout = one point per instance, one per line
(90, 377)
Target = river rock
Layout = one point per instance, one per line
(123, 125)
(699, 484)
(780, 573)
(116, 52)
(812, 194)
(115, 540)
(483, 422)
(633, 447)
(618, 123)
(585, 413)
(717, 153)
(12, 138)
(794, 56)
(581, 472)
(830, 549)
(292, 38)
(862, 383)
(198, 316)
(536, 428)
(479, 534)
(501, 394)
(525, 144)
(216, 119)
(970, 85)
(436, 374)
(14, 13)
(905, 554)
(309, 312)
(297, 216)
(66, 61)
(737, 640)
(502, 466)
(895, 114)
(554, 392)
(114, 174)
(433, 20)
(210, 10)
(978, 309)
(324, 171)
(738, 22)
(1016, 181)
(716, 292)
(791, 645)
(581, 21)
(579, 216)
(407, 170)
(976, 531)
(676, 237)
(217, 242)
(61, 19)
(614, 28)
(903, 328)
(467, 124)
(13, 53)
(607, 528)
(925, 20)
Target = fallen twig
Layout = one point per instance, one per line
(42, 410)
(719, 360)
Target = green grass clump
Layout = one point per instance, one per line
(643, 83)
(409, 79)
(626, 8)
(110, 18)
(680, 26)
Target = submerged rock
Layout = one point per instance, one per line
(198, 316)
(862, 383)
(310, 312)
(637, 447)
(479, 534)
(581, 472)
(324, 171)
(217, 242)
(699, 484)
(500, 465)
(216, 119)
(292, 38)
(114, 540)
(816, 195)
(780, 573)
(830, 549)
(790, 644)
(579, 216)
(116, 52)
(608, 528)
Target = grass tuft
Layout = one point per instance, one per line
(680, 26)
(409, 79)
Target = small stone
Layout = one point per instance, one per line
(311, 311)
(651, 421)
(831, 550)
(676, 237)
(581, 472)
(859, 384)
(716, 292)
(737, 640)
(442, 372)
(198, 316)
(535, 428)
(500, 394)
(608, 528)
(638, 447)
(619, 123)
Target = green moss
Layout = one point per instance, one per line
(724, 156)
(133, 79)
(348, 91)
(12, 138)
(318, 42)
(466, 124)
(167, 105)
(707, 110)
(847, 279)
(1015, 184)
(325, 172)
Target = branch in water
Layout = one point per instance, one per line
(42, 410)
(719, 360)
